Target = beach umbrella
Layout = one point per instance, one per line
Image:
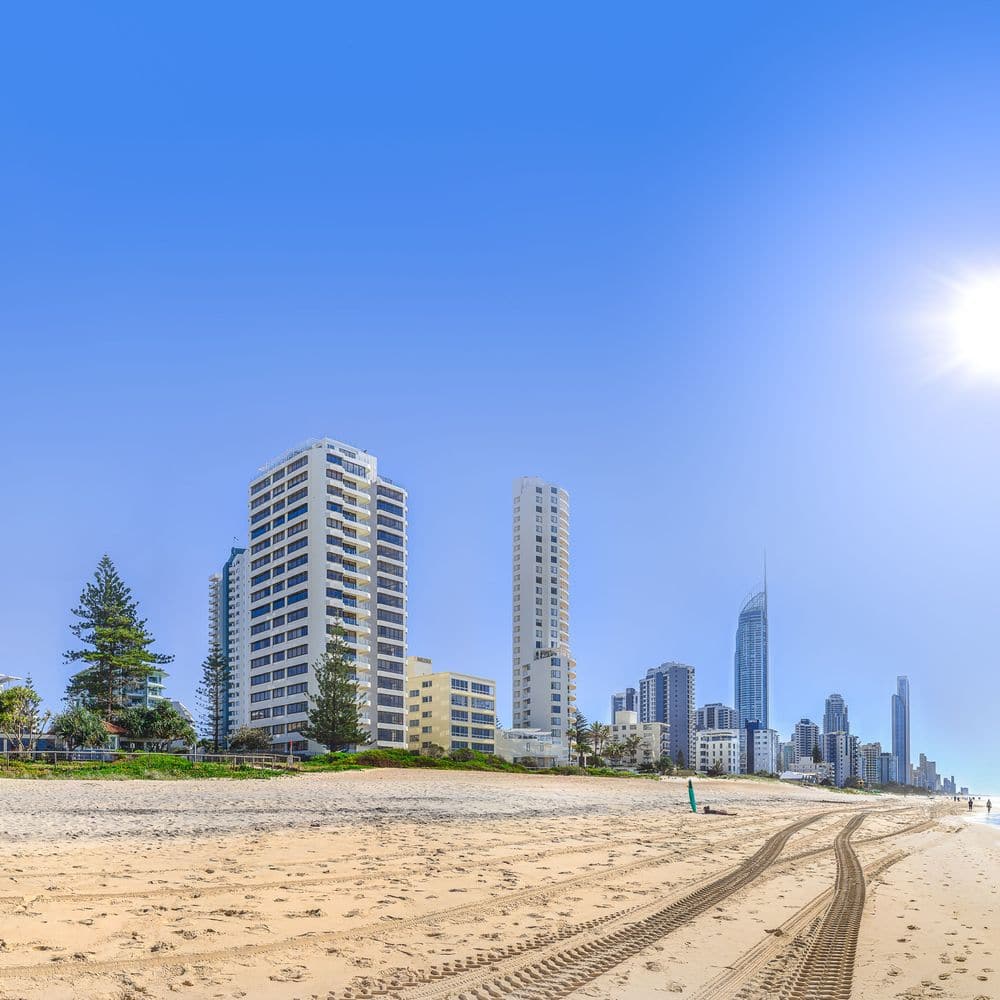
(694, 805)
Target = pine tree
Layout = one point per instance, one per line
(212, 694)
(333, 711)
(119, 656)
(579, 737)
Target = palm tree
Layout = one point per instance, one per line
(600, 733)
(614, 751)
(632, 744)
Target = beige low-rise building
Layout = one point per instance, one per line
(654, 738)
(449, 710)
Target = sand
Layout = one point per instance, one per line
(433, 885)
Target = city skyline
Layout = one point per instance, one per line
(721, 280)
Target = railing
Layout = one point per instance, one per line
(285, 761)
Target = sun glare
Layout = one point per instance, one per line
(974, 323)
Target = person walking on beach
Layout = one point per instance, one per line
(989, 806)
(970, 803)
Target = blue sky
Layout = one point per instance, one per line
(672, 258)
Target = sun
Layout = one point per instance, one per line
(973, 321)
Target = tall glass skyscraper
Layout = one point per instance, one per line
(835, 715)
(901, 730)
(752, 668)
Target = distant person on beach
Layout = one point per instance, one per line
(970, 804)
(989, 806)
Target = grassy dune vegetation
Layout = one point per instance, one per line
(148, 767)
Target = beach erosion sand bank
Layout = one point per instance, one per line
(423, 884)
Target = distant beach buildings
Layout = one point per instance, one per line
(327, 544)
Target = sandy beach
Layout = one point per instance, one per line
(434, 885)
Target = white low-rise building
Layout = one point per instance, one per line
(719, 749)
(764, 752)
(539, 747)
(654, 738)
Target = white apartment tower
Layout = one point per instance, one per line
(543, 668)
(327, 548)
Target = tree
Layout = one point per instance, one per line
(600, 733)
(632, 744)
(21, 718)
(681, 763)
(817, 754)
(159, 726)
(80, 727)
(579, 737)
(212, 694)
(333, 710)
(119, 657)
(716, 770)
(665, 765)
(248, 739)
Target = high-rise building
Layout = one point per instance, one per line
(805, 738)
(715, 716)
(887, 768)
(788, 756)
(450, 710)
(666, 694)
(901, 729)
(227, 615)
(835, 715)
(543, 667)
(763, 750)
(839, 751)
(624, 701)
(327, 553)
(751, 663)
(927, 774)
(870, 756)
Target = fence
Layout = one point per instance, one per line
(271, 760)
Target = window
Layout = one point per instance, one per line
(260, 661)
(256, 696)
(460, 699)
(260, 679)
(459, 685)
(482, 688)
(457, 715)
(298, 668)
(297, 708)
(300, 688)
